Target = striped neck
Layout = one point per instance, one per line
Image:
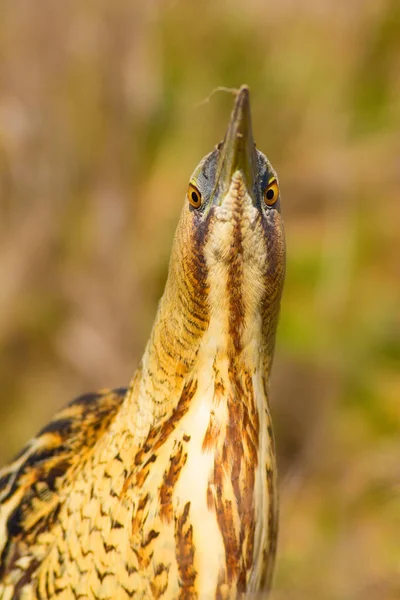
(219, 302)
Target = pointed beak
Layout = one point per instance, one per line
(238, 148)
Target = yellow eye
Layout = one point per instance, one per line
(271, 193)
(194, 196)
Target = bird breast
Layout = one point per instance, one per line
(199, 499)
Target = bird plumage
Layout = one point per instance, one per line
(168, 489)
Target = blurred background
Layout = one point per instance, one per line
(100, 129)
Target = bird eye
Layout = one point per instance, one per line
(271, 193)
(194, 196)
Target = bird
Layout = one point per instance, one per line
(168, 488)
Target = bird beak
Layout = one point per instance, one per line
(238, 148)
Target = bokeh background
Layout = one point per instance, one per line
(100, 128)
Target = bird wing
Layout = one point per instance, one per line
(30, 485)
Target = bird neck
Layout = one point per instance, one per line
(209, 314)
(190, 343)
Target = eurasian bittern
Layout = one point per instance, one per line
(168, 489)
